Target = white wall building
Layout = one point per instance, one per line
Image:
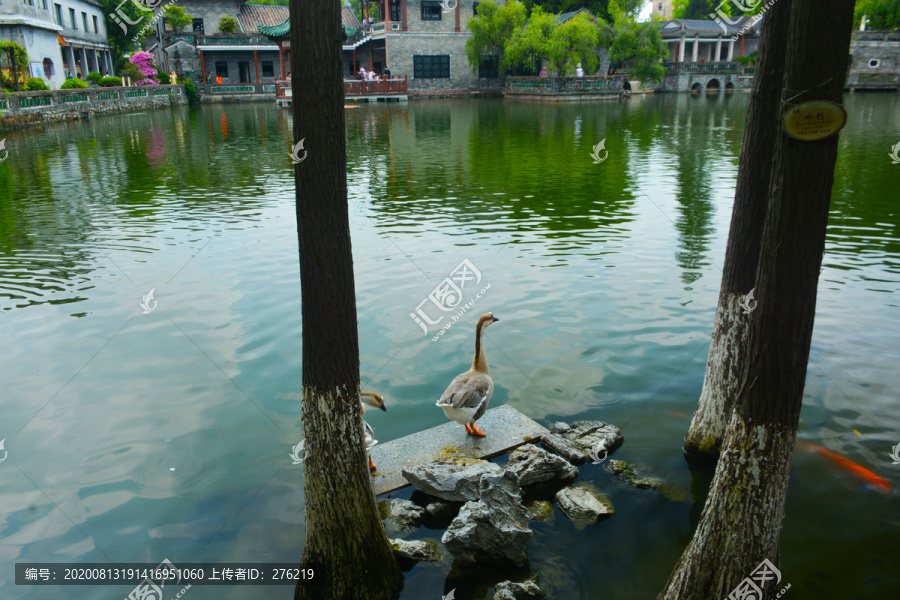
(63, 38)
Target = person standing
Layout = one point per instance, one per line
(544, 72)
(386, 73)
(208, 77)
(218, 80)
(579, 72)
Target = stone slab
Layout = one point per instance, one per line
(506, 430)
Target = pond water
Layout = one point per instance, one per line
(136, 435)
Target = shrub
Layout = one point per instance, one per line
(163, 78)
(94, 77)
(34, 84)
(228, 25)
(191, 92)
(111, 82)
(73, 84)
(144, 62)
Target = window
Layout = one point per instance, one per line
(58, 14)
(268, 69)
(489, 67)
(45, 5)
(874, 63)
(431, 66)
(72, 18)
(222, 69)
(395, 12)
(660, 7)
(198, 26)
(475, 8)
(431, 11)
(95, 24)
(84, 21)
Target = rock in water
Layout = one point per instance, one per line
(510, 590)
(456, 480)
(629, 475)
(416, 550)
(584, 504)
(441, 509)
(576, 442)
(403, 513)
(536, 465)
(492, 530)
(539, 510)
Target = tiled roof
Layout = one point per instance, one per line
(254, 16)
(283, 28)
(704, 26)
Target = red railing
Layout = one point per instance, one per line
(366, 87)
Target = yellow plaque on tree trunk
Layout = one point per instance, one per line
(815, 120)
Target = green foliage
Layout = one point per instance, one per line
(163, 78)
(271, 2)
(575, 41)
(700, 9)
(880, 14)
(228, 24)
(34, 84)
(7, 50)
(94, 77)
(598, 7)
(131, 70)
(491, 30)
(638, 46)
(119, 39)
(530, 44)
(191, 92)
(71, 84)
(177, 18)
(111, 82)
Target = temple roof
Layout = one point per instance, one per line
(283, 28)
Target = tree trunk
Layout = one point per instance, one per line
(345, 541)
(729, 337)
(741, 522)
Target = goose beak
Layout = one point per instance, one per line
(495, 319)
(383, 407)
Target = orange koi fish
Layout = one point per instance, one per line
(858, 470)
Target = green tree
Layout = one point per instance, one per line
(529, 44)
(121, 31)
(599, 8)
(491, 31)
(575, 41)
(177, 18)
(228, 24)
(698, 9)
(345, 538)
(637, 46)
(880, 14)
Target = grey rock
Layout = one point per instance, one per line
(456, 480)
(441, 509)
(584, 504)
(575, 442)
(627, 473)
(493, 529)
(510, 590)
(536, 465)
(402, 513)
(417, 550)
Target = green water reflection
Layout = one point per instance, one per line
(167, 434)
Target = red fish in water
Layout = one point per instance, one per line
(858, 470)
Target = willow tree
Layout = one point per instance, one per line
(729, 337)
(741, 521)
(530, 44)
(576, 41)
(345, 540)
(491, 30)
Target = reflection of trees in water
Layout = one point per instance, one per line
(477, 162)
(700, 133)
(121, 184)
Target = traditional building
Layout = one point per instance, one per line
(700, 40)
(661, 8)
(63, 38)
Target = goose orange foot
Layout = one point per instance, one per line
(371, 464)
(473, 429)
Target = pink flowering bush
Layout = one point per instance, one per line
(144, 62)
